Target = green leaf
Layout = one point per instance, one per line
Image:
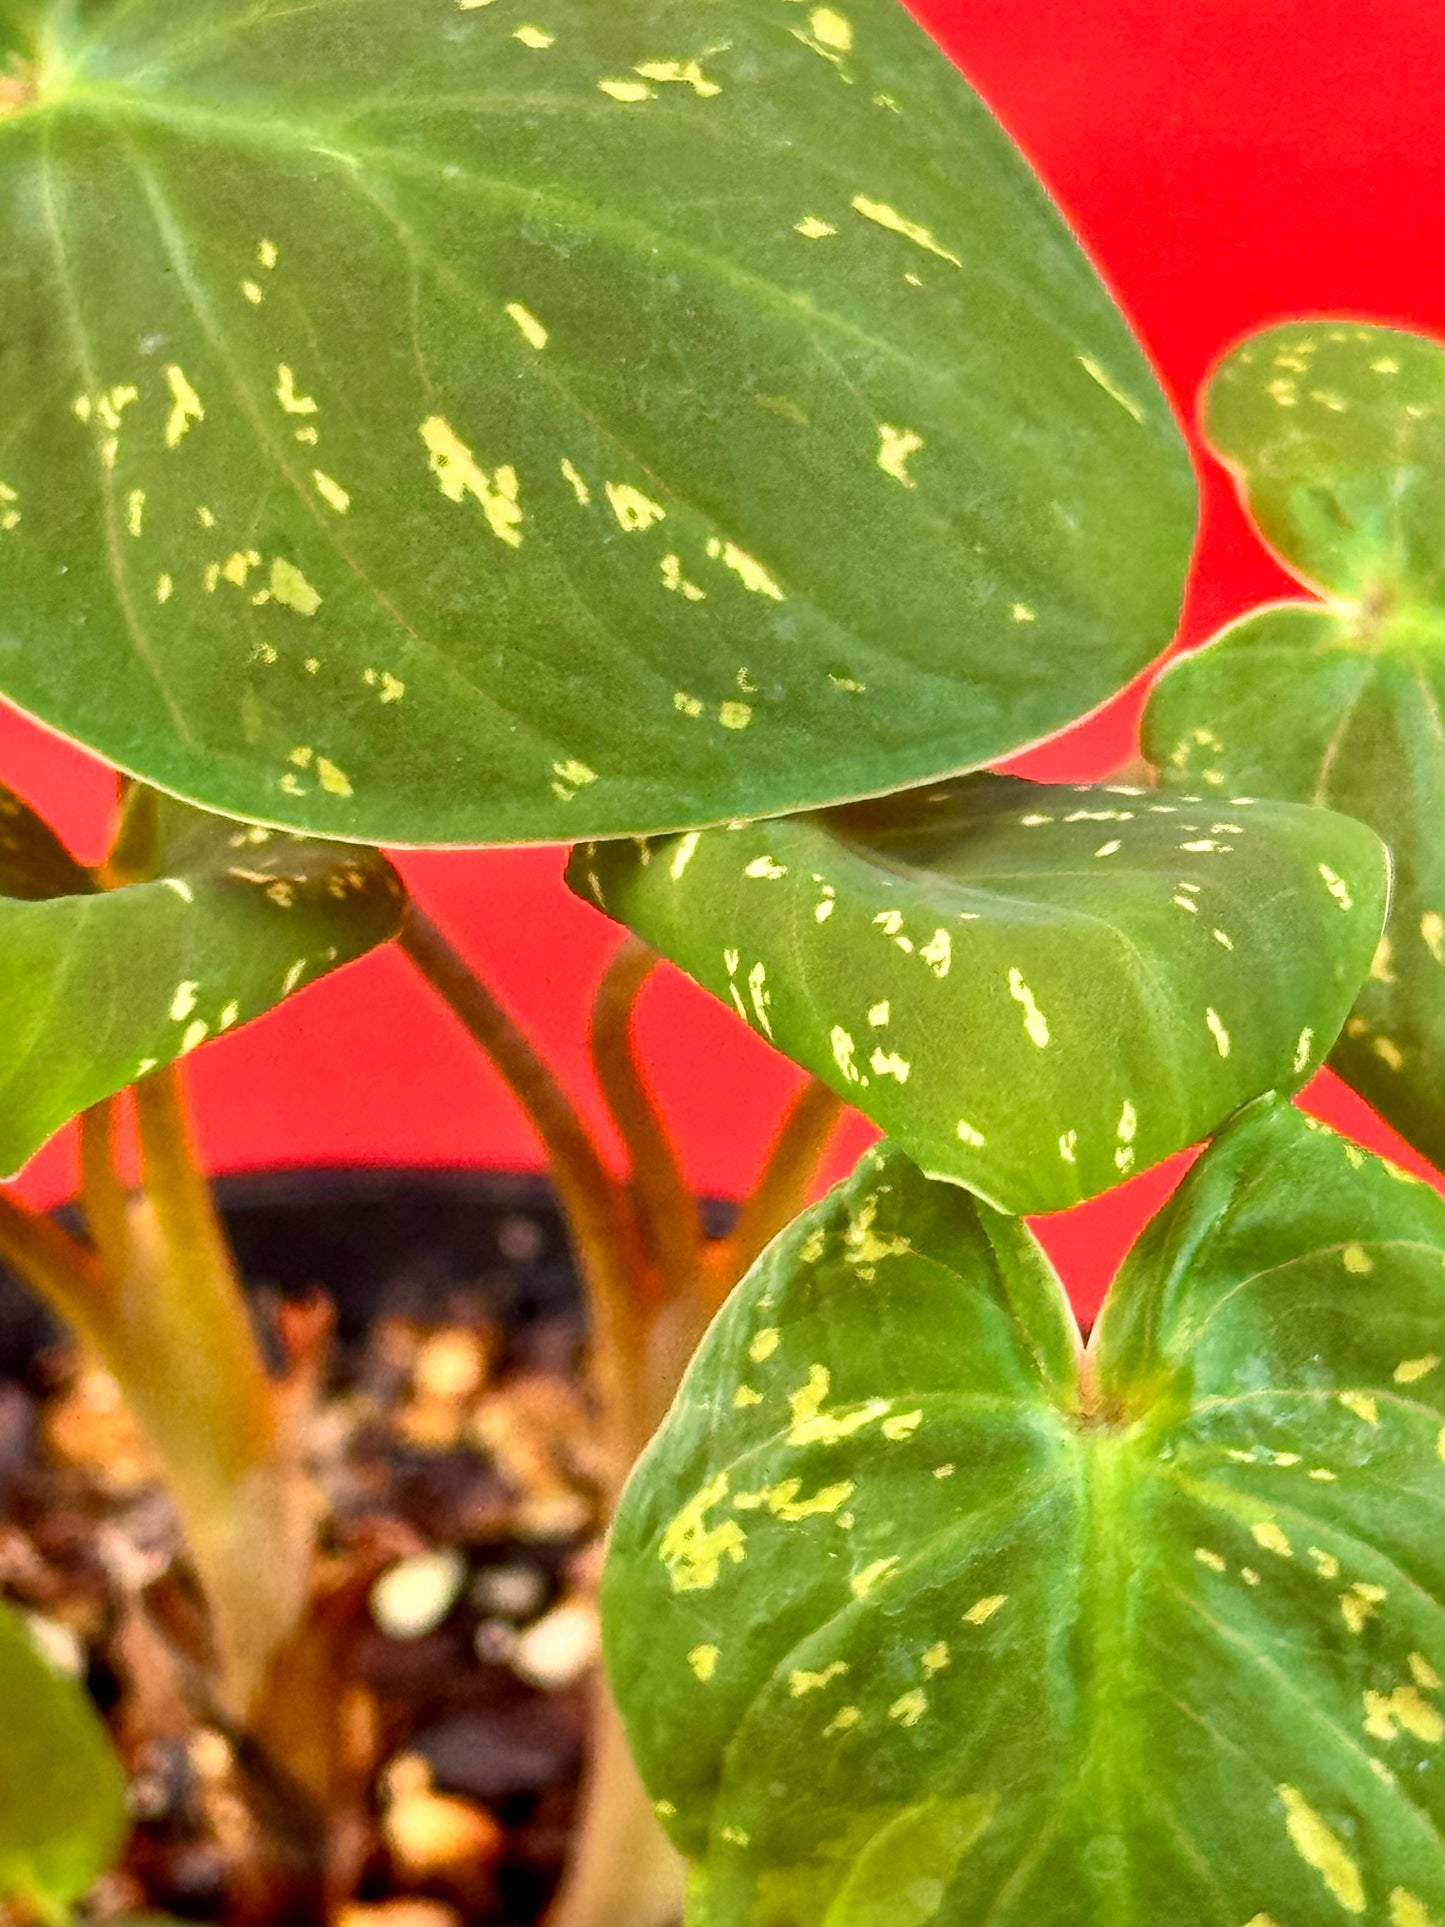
(913, 1619)
(570, 424)
(1338, 435)
(62, 1794)
(1037, 991)
(102, 986)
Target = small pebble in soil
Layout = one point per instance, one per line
(510, 1592)
(452, 1364)
(398, 1913)
(62, 1649)
(560, 1648)
(495, 1642)
(413, 1597)
(431, 1834)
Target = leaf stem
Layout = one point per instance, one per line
(62, 1272)
(666, 1206)
(105, 1198)
(782, 1187)
(190, 1366)
(611, 1254)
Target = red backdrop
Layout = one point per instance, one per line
(1228, 163)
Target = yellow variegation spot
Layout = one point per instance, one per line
(693, 1550)
(290, 588)
(884, 216)
(576, 484)
(331, 491)
(703, 1661)
(333, 780)
(831, 29)
(802, 1683)
(903, 1426)
(909, 1708)
(813, 1426)
(1268, 1535)
(1358, 1605)
(634, 510)
(1407, 1910)
(983, 1610)
(895, 447)
(1363, 1405)
(459, 475)
(1111, 388)
(862, 1583)
(677, 583)
(682, 73)
(750, 572)
(1411, 1370)
(292, 402)
(1320, 1848)
(186, 407)
(1035, 1023)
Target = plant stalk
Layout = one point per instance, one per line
(185, 1353)
(782, 1187)
(666, 1207)
(606, 1237)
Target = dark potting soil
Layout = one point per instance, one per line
(454, 1452)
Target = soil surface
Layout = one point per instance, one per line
(453, 1453)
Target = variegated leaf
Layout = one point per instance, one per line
(1037, 990)
(459, 422)
(919, 1616)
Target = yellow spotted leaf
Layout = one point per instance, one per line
(1336, 434)
(1154, 1633)
(583, 423)
(101, 986)
(1038, 991)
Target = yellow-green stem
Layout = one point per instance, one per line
(624, 1872)
(186, 1356)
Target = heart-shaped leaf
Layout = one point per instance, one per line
(602, 420)
(1337, 433)
(914, 1619)
(1038, 991)
(62, 1794)
(102, 986)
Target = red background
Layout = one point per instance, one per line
(1228, 163)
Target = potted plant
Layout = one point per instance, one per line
(695, 438)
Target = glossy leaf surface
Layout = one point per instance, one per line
(62, 1794)
(1037, 991)
(603, 420)
(911, 1627)
(101, 986)
(1337, 434)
